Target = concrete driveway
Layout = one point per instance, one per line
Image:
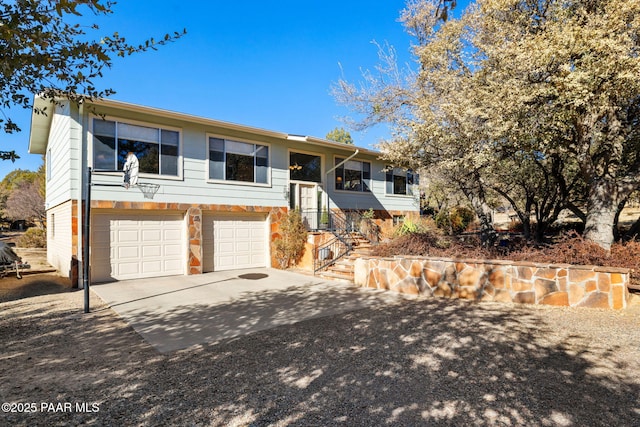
(176, 312)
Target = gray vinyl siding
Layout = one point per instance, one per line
(193, 186)
(376, 199)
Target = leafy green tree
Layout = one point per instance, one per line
(340, 135)
(44, 53)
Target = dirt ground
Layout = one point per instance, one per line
(31, 285)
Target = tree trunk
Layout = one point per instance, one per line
(633, 232)
(601, 212)
(488, 234)
(616, 220)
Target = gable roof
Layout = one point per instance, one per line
(41, 123)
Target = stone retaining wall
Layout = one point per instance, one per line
(496, 280)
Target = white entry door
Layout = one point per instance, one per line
(309, 204)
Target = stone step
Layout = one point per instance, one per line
(339, 276)
(356, 254)
(342, 266)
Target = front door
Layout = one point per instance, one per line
(309, 205)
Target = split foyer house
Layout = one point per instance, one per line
(221, 189)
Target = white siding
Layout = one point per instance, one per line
(58, 188)
(59, 237)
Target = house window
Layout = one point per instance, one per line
(238, 161)
(305, 167)
(401, 181)
(353, 175)
(157, 149)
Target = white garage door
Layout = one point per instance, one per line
(131, 246)
(234, 243)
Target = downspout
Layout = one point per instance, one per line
(355, 153)
(81, 189)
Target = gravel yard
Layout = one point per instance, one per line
(416, 362)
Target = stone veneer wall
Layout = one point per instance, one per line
(496, 280)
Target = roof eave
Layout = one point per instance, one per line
(40, 125)
(185, 117)
(333, 144)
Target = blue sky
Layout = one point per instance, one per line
(257, 63)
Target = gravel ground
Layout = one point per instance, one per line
(417, 362)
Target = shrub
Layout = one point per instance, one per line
(368, 214)
(442, 220)
(33, 238)
(455, 220)
(289, 247)
(460, 218)
(414, 226)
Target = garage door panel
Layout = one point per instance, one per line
(124, 252)
(154, 266)
(152, 235)
(243, 233)
(225, 233)
(224, 262)
(169, 235)
(136, 245)
(172, 265)
(243, 246)
(128, 268)
(234, 243)
(226, 247)
(128, 236)
(172, 250)
(151, 251)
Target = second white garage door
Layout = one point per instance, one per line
(132, 246)
(234, 243)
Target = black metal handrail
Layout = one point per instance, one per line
(342, 225)
(330, 252)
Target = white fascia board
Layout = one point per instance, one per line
(40, 125)
(185, 117)
(333, 144)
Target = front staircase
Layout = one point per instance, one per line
(343, 269)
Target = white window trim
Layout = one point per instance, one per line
(117, 119)
(361, 193)
(230, 182)
(323, 177)
(402, 196)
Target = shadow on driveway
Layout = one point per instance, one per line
(176, 312)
